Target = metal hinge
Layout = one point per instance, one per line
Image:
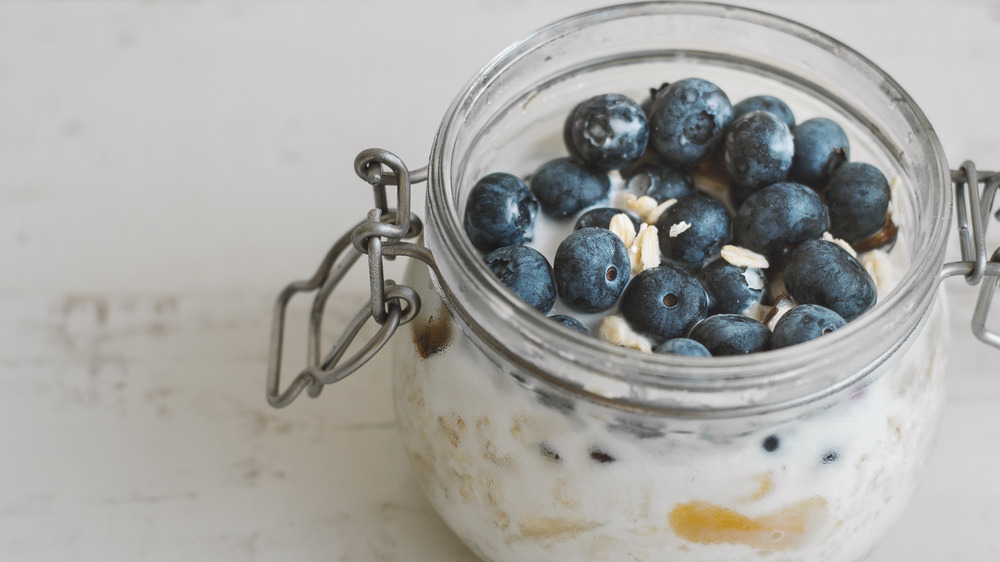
(379, 236)
(973, 208)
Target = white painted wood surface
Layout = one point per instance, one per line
(166, 167)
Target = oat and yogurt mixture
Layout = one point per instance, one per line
(682, 225)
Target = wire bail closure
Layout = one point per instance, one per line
(391, 305)
(973, 209)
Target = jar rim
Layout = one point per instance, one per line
(620, 377)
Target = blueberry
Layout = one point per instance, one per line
(803, 323)
(500, 211)
(525, 271)
(731, 334)
(771, 443)
(592, 268)
(607, 132)
(688, 120)
(601, 218)
(778, 217)
(769, 104)
(820, 147)
(758, 150)
(571, 323)
(732, 289)
(857, 196)
(682, 346)
(661, 181)
(823, 273)
(664, 302)
(708, 231)
(564, 188)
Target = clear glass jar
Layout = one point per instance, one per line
(536, 443)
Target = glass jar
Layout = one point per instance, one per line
(537, 444)
(534, 442)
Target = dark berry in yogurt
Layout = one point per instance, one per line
(608, 132)
(526, 272)
(592, 268)
(664, 302)
(693, 229)
(564, 188)
(778, 217)
(500, 211)
(601, 218)
(766, 103)
(732, 289)
(731, 334)
(821, 146)
(803, 323)
(857, 196)
(688, 120)
(758, 150)
(823, 273)
(683, 346)
(661, 181)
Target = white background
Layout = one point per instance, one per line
(166, 167)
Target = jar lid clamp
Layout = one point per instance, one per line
(973, 208)
(379, 236)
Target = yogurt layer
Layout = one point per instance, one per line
(522, 471)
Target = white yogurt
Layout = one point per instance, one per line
(531, 474)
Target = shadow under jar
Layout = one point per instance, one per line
(535, 443)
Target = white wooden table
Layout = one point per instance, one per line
(166, 167)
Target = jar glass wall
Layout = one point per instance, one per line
(523, 470)
(534, 442)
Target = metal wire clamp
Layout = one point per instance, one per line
(973, 209)
(391, 305)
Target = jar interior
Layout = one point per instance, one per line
(511, 118)
(528, 131)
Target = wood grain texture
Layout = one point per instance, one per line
(165, 168)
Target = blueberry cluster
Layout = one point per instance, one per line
(777, 241)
